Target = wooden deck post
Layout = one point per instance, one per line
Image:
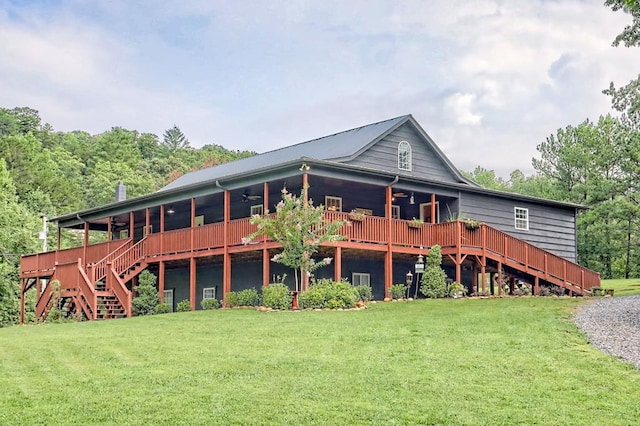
(536, 285)
(161, 281)
(192, 282)
(337, 265)
(474, 278)
(499, 278)
(265, 267)
(22, 285)
(131, 225)
(433, 208)
(458, 251)
(193, 223)
(512, 285)
(388, 258)
(226, 258)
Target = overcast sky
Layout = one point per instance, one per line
(488, 80)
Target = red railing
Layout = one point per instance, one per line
(115, 284)
(129, 257)
(99, 268)
(86, 294)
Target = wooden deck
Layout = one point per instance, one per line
(115, 262)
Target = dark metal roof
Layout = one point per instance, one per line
(336, 146)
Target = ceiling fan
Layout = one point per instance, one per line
(246, 196)
(400, 194)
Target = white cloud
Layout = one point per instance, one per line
(488, 80)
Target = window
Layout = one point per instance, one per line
(360, 278)
(333, 203)
(124, 234)
(395, 212)
(208, 293)
(404, 156)
(167, 297)
(258, 209)
(521, 216)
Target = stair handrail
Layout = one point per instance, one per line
(129, 257)
(120, 290)
(100, 267)
(87, 292)
(560, 275)
(43, 302)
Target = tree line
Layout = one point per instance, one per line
(42, 171)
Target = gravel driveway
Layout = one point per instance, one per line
(612, 324)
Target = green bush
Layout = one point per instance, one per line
(434, 279)
(330, 294)
(184, 306)
(398, 291)
(209, 304)
(277, 296)
(248, 297)
(147, 295)
(231, 299)
(163, 308)
(365, 293)
(597, 291)
(456, 290)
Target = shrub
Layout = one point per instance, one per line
(163, 308)
(434, 279)
(326, 293)
(248, 297)
(209, 304)
(231, 299)
(557, 290)
(522, 290)
(457, 290)
(277, 296)
(398, 291)
(597, 291)
(365, 293)
(184, 306)
(543, 290)
(147, 295)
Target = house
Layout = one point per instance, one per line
(189, 233)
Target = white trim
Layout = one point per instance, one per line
(395, 211)
(205, 290)
(405, 157)
(123, 234)
(333, 203)
(521, 218)
(257, 209)
(361, 276)
(429, 204)
(164, 298)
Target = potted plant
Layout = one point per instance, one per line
(471, 224)
(415, 223)
(357, 216)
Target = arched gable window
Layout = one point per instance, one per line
(404, 156)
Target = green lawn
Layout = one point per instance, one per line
(490, 361)
(623, 287)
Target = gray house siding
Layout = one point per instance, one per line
(384, 156)
(550, 228)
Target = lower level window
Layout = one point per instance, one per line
(167, 296)
(521, 216)
(208, 293)
(360, 278)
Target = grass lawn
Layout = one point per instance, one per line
(491, 361)
(623, 287)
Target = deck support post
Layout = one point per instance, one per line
(226, 258)
(433, 208)
(265, 267)
(499, 279)
(483, 276)
(492, 287)
(22, 286)
(131, 225)
(192, 282)
(536, 285)
(161, 281)
(512, 285)
(458, 252)
(337, 265)
(388, 257)
(474, 279)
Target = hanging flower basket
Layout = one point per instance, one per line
(415, 223)
(357, 216)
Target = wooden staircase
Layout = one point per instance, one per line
(100, 290)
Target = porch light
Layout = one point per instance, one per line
(409, 279)
(171, 210)
(411, 199)
(419, 266)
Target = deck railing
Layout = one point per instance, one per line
(98, 270)
(482, 240)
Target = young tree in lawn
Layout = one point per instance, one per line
(299, 228)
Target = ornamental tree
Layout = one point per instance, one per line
(299, 228)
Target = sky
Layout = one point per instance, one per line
(487, 80)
